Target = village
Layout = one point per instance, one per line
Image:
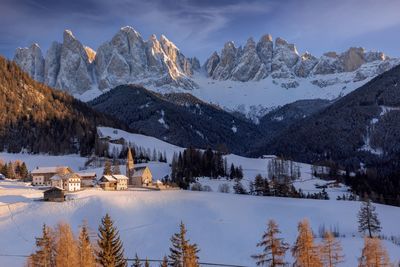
(58, 181)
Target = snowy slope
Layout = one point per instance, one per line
(226, 227)
(32, 161)
(251, 166)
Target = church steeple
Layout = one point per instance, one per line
(130, 165)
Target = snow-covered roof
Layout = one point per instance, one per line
(39, 170)
(109, 178)
(58, 177)
(86, 174)
(139, 171)
(120, 177)
(55, 188)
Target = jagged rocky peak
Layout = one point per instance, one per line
(250, 67)
(30, 60)
(265, 51)
(126, 58)
(211, 63)
(281, 60)
(74, 74)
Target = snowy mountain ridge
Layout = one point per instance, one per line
(252, 79)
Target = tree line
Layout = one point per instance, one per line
(59, 247)
(14, 170)
(140, 154)
(192, 163)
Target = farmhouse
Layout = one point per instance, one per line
(69, 181)
(114, 182)
(2, 176)
(88, 179)
(41, 175)
(54, 194)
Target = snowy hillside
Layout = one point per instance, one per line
(226, 227)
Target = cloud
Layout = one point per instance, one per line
(199, 27)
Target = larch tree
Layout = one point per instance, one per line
(373, 254)
(86, 252)
(107, 168)
(164, 262)
(331, 251)
(181, 251)
(136, 262)
(111, 251)
(44, 255)
(67, 252)
(274, 249)
(304, 251)
(115, 167)
(368, 219)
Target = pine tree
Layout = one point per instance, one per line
(164, 262)
(86, 251)
(373, 254)
(182, 252)
(107, 168)
(23, 171)
(274, 249)
(44, 255)
(66, 247)
(115, 168)
(331, 251)
(136, 262)
(305, 252)
(238, 187)
(368, 219)
(111, 251)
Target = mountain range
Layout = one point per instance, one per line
(275, 69)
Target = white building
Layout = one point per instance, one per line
(88, 179)
(41, 175)
(69, 182)
(114, 182)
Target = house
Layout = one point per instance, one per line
(269, 157)
(55, 194)
(141, 177)
(138, 176)
(69, 181)
(122, 181)
(2, 176)
(114, 182)
(41, 175)
(88, 179)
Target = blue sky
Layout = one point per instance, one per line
(199, 27)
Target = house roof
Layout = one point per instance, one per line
(120, 177)
(139, 171)
(39, 170)
(66, 176)
(54, 188)
(108, 178)
(86, 174)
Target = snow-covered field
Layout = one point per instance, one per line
(225, 226)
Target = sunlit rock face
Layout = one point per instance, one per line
(74, 72)
(280, 60)
(31, 61)
(126, 58)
